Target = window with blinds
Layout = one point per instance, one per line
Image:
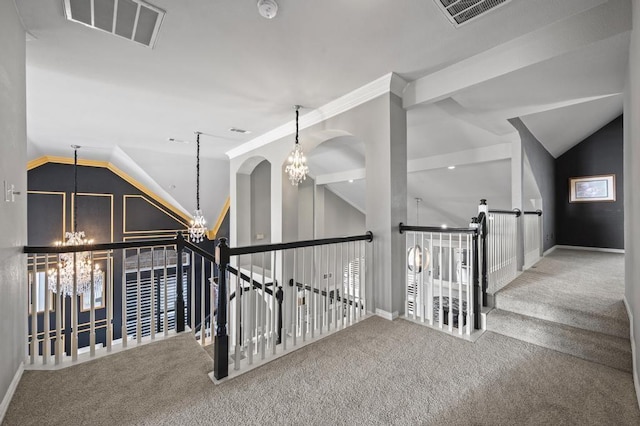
(144, 301)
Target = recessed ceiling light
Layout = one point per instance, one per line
(350, 180)
(443, 226)
(236, 130)
(174, 140)
(451, 167)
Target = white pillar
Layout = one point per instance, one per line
(386, 170)
(517, 167)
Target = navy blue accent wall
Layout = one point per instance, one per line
(595, 224)
(543, 168)
(109, 210)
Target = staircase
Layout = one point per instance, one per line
(571, 302)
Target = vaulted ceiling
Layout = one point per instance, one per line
(217, 64)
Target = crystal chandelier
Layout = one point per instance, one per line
(198, 227)
(84, 271)
(417, 258)
(297, 168)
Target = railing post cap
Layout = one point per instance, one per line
(222, 252)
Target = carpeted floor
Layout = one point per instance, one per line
(578, 288)
(376, 372)
(571, 301)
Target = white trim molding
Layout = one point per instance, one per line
(389, 83)
(634, 353)
(549, 251)
(600, 249)
(387, 315)
(12, 389)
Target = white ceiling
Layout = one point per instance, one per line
(217, 64)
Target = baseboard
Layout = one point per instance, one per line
(634, 353)
(387, 315)
(549, 251)
(12, 389)
(602, 249)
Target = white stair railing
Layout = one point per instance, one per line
(320, 287)
(136, 296)
(502, 242)
(532, 237)
(441, 278)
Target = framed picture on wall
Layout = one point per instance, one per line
(588, 189)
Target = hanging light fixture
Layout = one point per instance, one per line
(297, 168)
(198, 227)
(85, 271)
(417, 258)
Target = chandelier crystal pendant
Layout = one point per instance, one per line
(85, 271)
(198, 227)
(297, 168)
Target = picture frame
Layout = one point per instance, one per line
(589, 189)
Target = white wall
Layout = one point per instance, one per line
(261, 203)
(341, 218)
(306, 206)
(13, 216)
(380, 124)
(631, 185)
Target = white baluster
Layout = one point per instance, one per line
(192, 306)
(203, 300)
(59, 301)
(92, 310)
(138, 300)
(33, 282)
(46, 344)
(152, 303)
(166, 296)
(451, 255)
(109, 301)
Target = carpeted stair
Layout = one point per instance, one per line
(570, 302)
(592, 346)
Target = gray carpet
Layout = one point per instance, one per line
(590, 345)
(581, 289)
(376, 372)
(571, 301)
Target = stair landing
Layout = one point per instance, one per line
(570, 301)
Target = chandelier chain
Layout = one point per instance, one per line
(198, 228)
(75, 189)
(198, 171)
(297, 168)
(297, 113)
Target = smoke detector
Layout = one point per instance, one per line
(267, 8)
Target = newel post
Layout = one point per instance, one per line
(279, 298)
(475, 274)
(179, 296)
(483, 211)
(221, 343)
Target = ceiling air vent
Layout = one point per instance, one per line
(134, 20)
(462, 11)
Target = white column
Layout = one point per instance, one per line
(386, 170)
(517, 158)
